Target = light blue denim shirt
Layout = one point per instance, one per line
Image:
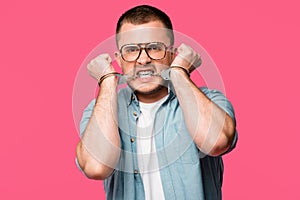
(183, 174)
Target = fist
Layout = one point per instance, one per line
(187, 58)
(100, 66)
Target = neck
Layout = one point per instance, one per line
(153, 96)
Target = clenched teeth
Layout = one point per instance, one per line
(145, 74)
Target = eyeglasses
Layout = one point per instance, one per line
(154, 50)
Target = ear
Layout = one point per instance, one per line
(173, 51)
(118, 58)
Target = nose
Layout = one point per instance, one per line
(143, 58)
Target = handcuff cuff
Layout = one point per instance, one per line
(165, 74)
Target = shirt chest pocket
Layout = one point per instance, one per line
(188, 154)
(185, 148)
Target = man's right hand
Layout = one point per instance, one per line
(100, 66)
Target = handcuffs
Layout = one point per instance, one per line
(123, 78)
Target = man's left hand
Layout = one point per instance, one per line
(187, 58)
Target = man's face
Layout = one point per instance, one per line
(144, 69)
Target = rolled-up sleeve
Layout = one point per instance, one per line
(83, 124)
(86, 116)
(219, 99)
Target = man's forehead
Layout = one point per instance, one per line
(143, 34)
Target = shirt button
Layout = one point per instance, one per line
(131, 139)
(134, 113)
(136, 171)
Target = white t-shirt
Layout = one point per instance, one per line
(147, 157)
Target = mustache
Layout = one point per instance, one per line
(147, 66)
(133, 74)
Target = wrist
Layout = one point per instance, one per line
(108, 76)
(179, 69)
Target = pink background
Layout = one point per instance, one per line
(255, 45)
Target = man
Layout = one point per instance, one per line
(146, 140)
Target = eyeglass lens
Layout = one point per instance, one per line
(155, 51)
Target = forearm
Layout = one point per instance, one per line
(210, 127)
(99, 149)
